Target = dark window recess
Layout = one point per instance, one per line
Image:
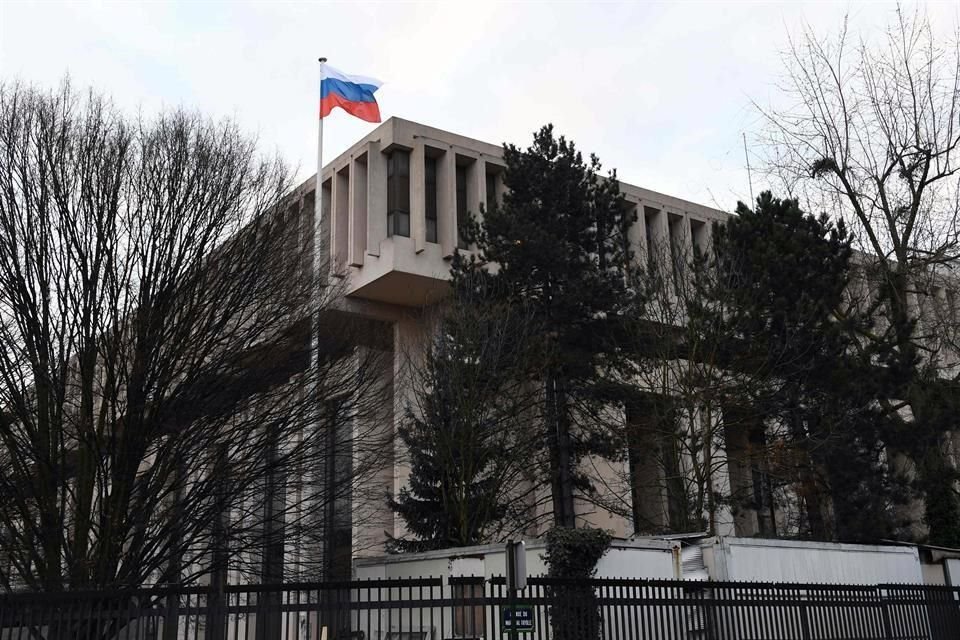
(398, 194)
(763, 488)
(430, 189)
(461, 206)
(491, 190)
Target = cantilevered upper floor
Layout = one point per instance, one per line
(395, 202)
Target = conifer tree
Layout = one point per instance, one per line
(464, 432)
(557, 245)
(783, 277)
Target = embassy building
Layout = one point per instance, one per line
(391, 208)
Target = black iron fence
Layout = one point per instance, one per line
(436, 609)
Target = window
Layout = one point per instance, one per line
(461, 206)
(698, 233)
(649, 220)
(491, 190)
(763, 487)
(430, 189)
(678, 255)
(398, 194)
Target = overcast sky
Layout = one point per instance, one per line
(662, 92)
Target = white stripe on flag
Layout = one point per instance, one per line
(331, 72)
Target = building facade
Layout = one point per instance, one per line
(392, 205)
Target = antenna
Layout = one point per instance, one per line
(749, 175)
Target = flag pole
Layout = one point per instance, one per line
(317, 299)
(317, 206)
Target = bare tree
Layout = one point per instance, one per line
(681, 474)
(871, 131)
(161, 421)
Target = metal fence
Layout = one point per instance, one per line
(435, 609)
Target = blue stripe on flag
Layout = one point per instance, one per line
(348, 90)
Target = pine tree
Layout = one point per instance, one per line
(557, 245)
(464, 433)
(783, 275)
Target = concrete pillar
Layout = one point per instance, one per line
(635, 232)
(340, 220)
(411, 343)
(418, 196)
(358, 212)
(477, 188)
(447, 202)
(376, 198)
(373, 461)
(739, 476)
(711, 423)
(647, 473)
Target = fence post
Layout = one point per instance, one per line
(172, 615)
(216, 613)
(885, 616)
(805, 620)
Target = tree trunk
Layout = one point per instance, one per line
(561, 472)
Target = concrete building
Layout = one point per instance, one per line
(392, 205)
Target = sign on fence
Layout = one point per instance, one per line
(518, 617)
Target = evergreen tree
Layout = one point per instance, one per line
(557, 245)
(464, 432)
(783, 277)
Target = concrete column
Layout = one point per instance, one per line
(376, 198)
(447, 202)
(635, 232)
(739, 476)
(711, 423)
(330, 215)
(358, 212)
(418, 197)
(411, 343)
(477, 188)
(340, 219)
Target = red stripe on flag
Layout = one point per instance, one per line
(368, 111)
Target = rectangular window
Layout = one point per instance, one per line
(698, 233)
(649, 219)
(461, 206)
(491, 190)
(763, 499)
(678, 256)
(398, 194)
(430, 189)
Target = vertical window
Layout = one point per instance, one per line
(763, 487)
(430, 189)
(678, 257)
(649, 218)
(398, 194)
(461, 206)
(491, 190)
(698, 233)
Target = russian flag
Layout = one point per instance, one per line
(353, 94)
